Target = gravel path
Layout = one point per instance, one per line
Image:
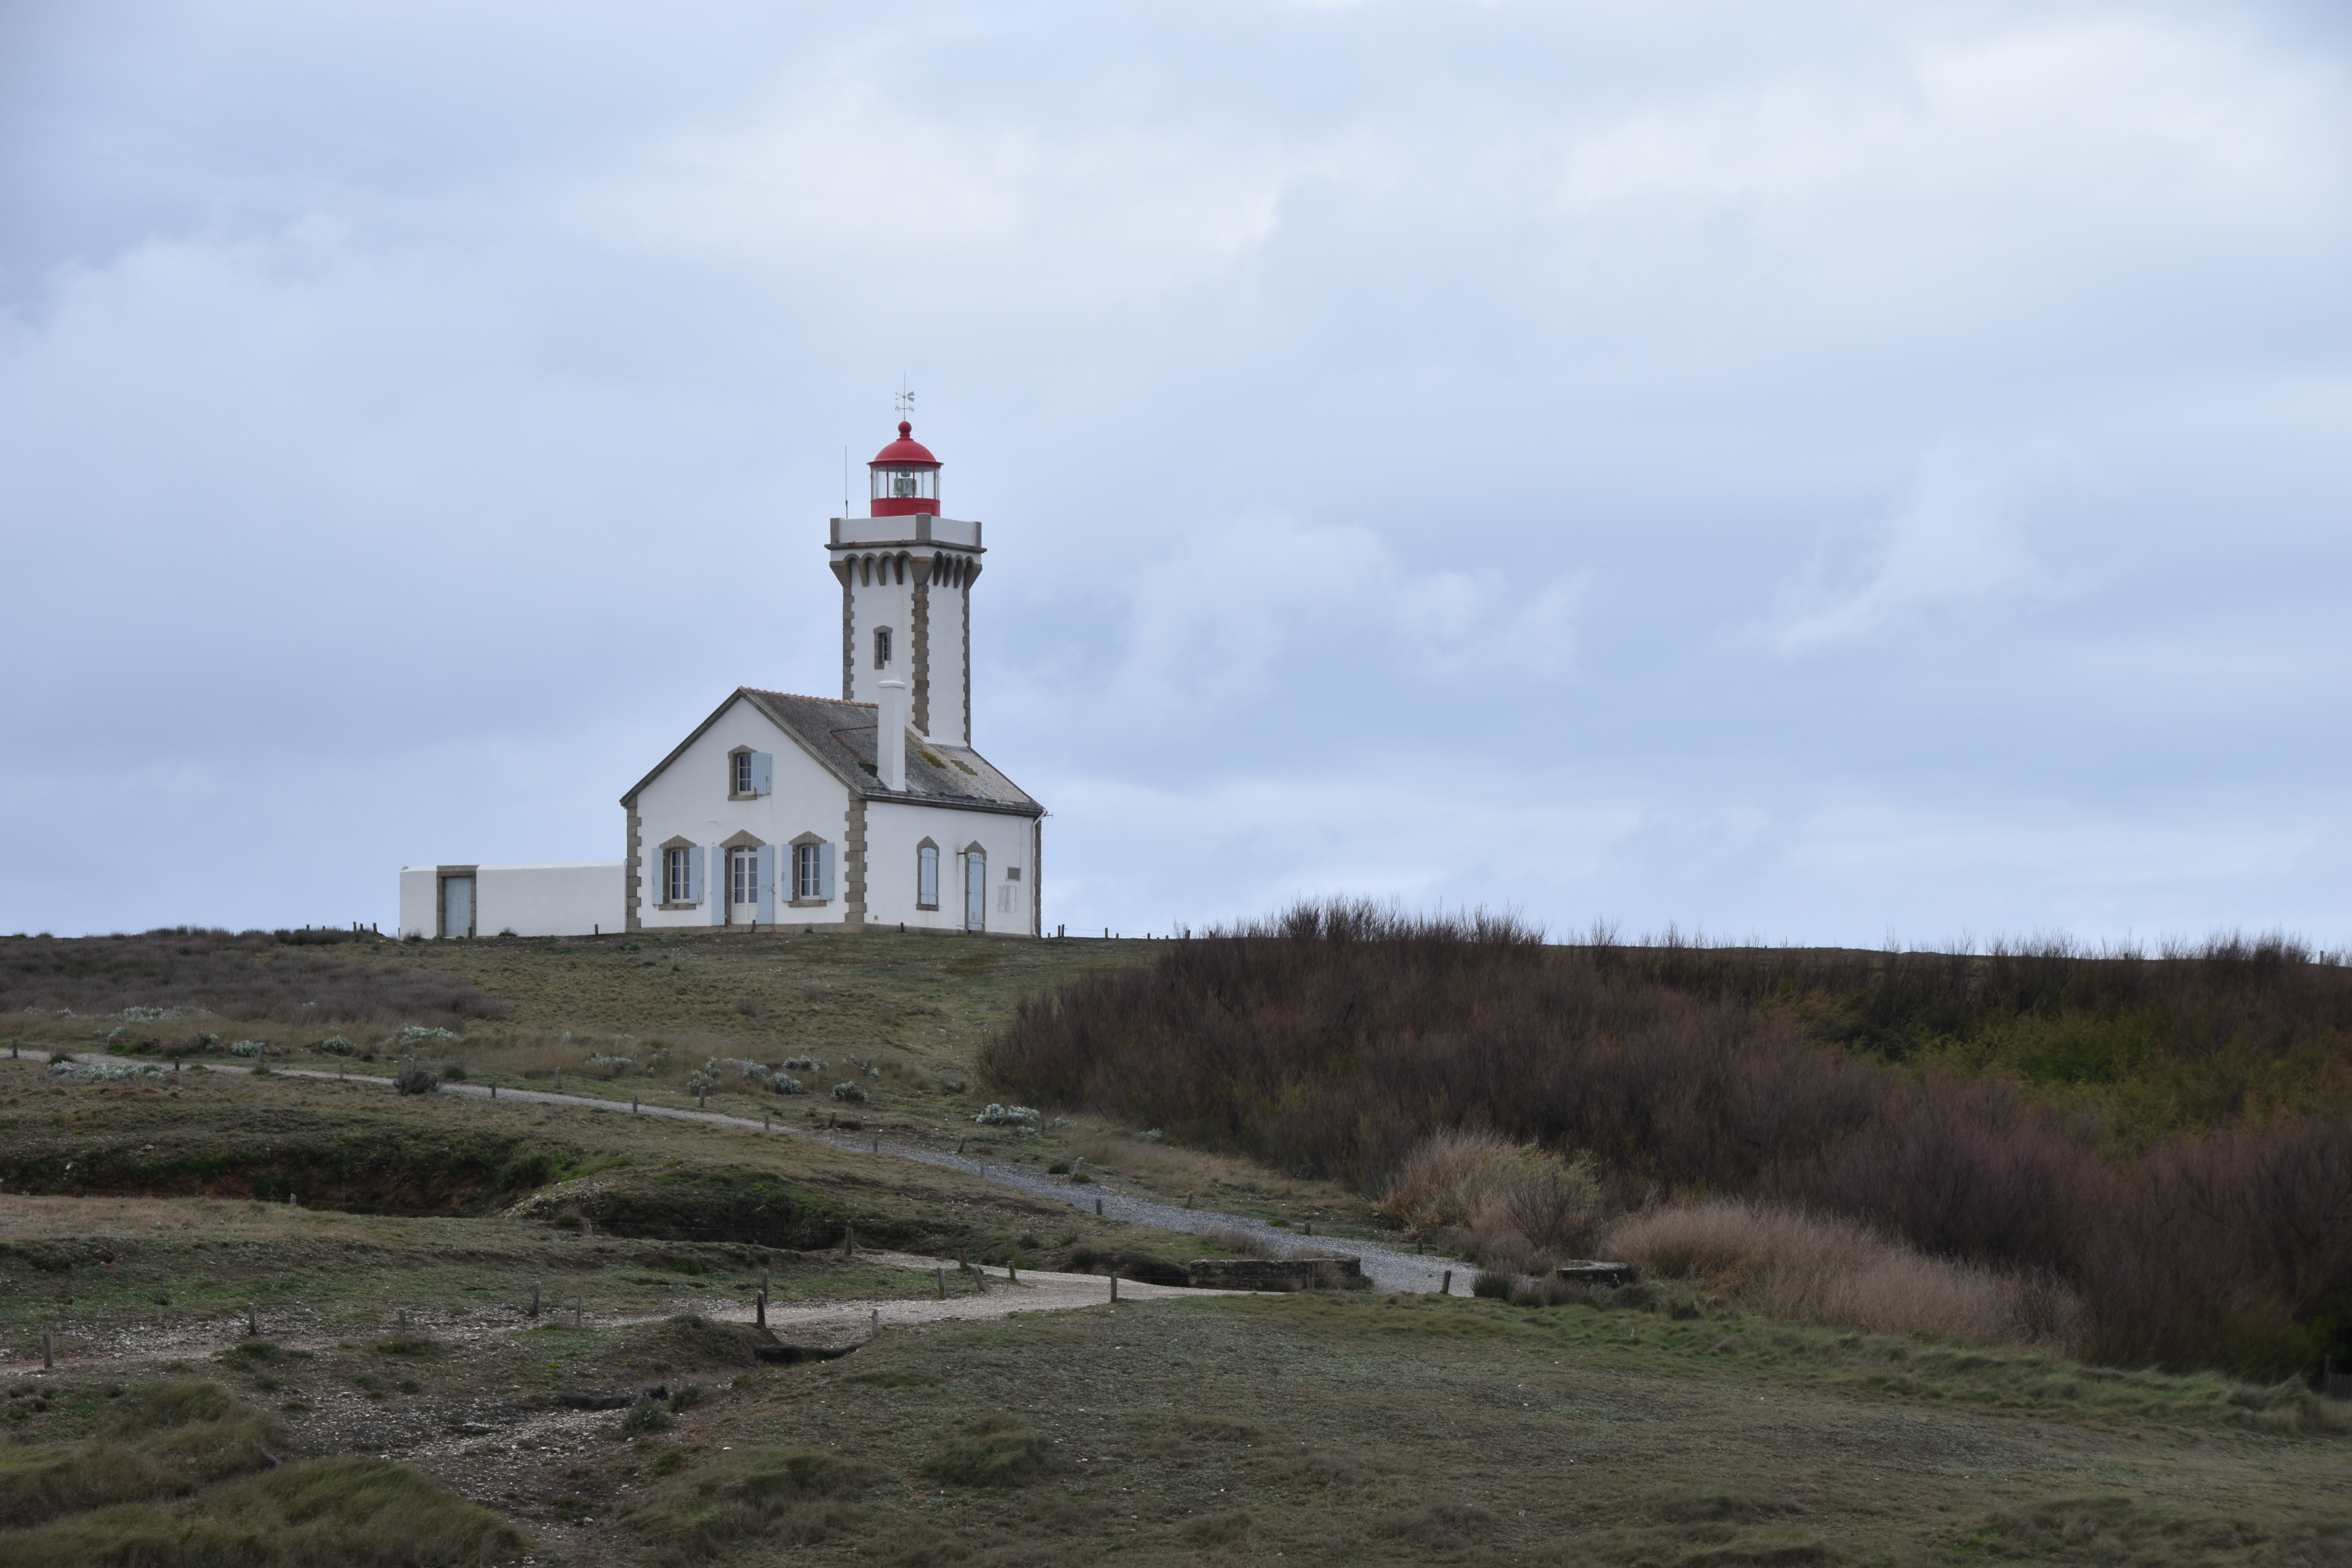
(1387, 1269)
(1386, 1266)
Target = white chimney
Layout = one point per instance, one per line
(890, 750)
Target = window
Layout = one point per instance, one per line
(927, 877)
(808, 871)
(743, 875)
(881, 647)
(906, 483)
(749, 773)
(677, 877)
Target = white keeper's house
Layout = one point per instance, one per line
(870, 811)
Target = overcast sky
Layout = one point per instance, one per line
(1816, 472)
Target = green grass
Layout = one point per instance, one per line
(1387, 1430)
(354, 1512)
(1350, 1427)
(681, 1211)
(181, 1473)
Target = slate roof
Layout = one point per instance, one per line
(843, 735)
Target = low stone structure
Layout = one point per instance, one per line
(1330, 1271)
(1586, 1272)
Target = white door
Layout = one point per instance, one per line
(975, 893)
(456, 907)
(742, 886)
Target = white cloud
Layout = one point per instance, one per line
(1955, 543)
(1268, 608)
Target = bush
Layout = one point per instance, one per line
(1844, 1273)
(1339, 1039)
(1509, 1203)
(850, 1092)
(416, 1079)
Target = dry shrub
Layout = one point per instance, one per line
(1241, 1243)
(1504, 1203)
(1335, 1039)
(1829, 1270)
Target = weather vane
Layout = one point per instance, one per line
(906, 400)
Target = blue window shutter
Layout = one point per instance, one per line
(763, 772)
(825, 870)
(720, 892)
(694, 874)
(767, 874)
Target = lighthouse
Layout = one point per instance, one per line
(907, 575)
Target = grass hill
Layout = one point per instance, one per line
(399, 1402)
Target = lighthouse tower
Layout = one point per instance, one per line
(907, 575)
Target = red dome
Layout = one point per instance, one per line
(905, 452)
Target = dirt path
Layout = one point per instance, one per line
(1388, 1268)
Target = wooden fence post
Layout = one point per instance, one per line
(1114, 1287)
(579, 1312)
(48, 1350)
(534, 1297)
(559, 1080)
(1445, 1286)
(763, 1121)
(1098, 1208)
(763, 1305)
(874, 1332)
(849, 1242)
(943, 1273)
(252, 1322)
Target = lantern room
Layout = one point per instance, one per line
(905, 477)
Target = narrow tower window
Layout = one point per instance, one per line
(881, 647)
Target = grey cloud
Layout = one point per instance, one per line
(1802, 474)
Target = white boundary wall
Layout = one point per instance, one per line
(567, 899)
